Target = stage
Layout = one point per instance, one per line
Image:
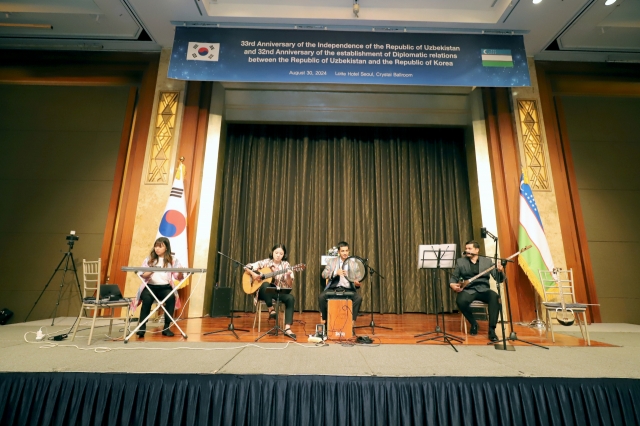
(216, 379)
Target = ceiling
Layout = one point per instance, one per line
(553, 29)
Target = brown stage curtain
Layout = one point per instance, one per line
(383, 190)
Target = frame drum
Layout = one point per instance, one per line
(356, 269)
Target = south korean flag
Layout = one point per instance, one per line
(203, 51)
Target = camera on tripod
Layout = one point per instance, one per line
(72, 238)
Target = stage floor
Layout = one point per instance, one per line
(616, 353)
(405, 327)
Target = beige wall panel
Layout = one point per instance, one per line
(605, 164)
(152, 198)
(346, 108)
(61, 146)
(620, 310)
(611, 215)
(607, 259)
(604, 135)
(546, 198)
(602, 119)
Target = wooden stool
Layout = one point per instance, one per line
(339, 314)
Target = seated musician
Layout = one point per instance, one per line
(277, 261)
(336, 276)
(469, 266)
(160, 283)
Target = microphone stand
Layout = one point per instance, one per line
(230, 327)
(512, 336)
(372, 324)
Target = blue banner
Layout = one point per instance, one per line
(295, 56)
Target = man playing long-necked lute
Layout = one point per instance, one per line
(467, 267)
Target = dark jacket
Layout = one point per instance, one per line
(463, 270)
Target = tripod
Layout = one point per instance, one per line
(276, 327)
(441, 333)
(512, 336)
(372, 324)
(230, 326)
(66, 258)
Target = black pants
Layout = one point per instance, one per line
(356, 299)
(161, 291)
(489, 297)
(287, 299)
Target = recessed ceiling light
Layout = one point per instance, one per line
(536, 1)
(609, 2)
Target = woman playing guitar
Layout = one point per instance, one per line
(277, 261)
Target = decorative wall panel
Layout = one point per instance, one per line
(534, 155)
(163, 138)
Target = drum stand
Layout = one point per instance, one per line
(372, 324)
(230, 326)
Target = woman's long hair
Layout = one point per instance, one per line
(153, 257)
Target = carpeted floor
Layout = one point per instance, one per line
(335, 359)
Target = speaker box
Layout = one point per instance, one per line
(221, 304)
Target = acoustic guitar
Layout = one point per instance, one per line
(464, 283)
(250, 285)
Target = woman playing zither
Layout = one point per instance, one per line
(160, 283)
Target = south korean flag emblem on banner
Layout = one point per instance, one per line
(203, 51)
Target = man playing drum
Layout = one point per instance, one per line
(336, 274)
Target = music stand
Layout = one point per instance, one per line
(230, 326)
(436, 257)
(277, 291)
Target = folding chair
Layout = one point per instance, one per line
(553, 288)
(91, 299)
(477, 304)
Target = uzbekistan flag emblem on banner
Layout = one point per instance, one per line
(497, 58)
(532, 232)
(174, 220)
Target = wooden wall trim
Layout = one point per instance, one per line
(116, 189)
(576, 248)
(139, 72)
(193, 135)
(133, 175)
(505, 169)
(586, 291)
(580, 79)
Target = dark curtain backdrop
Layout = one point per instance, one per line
(383, 190)
(91, 399)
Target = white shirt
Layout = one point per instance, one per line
(160, 277)
(344, 282)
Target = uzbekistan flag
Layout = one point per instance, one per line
(174, 220)
(497, 58)
(538, 257)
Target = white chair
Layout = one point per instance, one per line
(477, 304)
(552, 288)
(91, 299)
(258, 314)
